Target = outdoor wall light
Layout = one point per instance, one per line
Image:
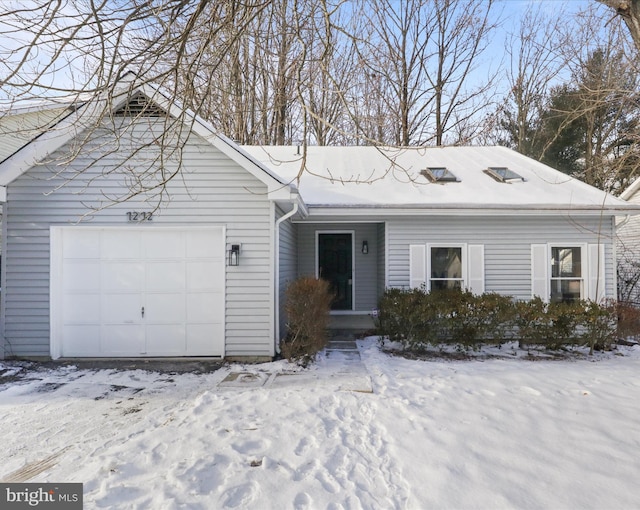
(365, 247)
(234, 255)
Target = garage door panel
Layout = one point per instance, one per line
(121, 244)
(81, 309)
(81, 275)
(123, 276)
(165, 308)
(81, 340)
(203, 307)
(205, 339)
(82, 244)
(205, 243)
(163, 245)
(205, 275)
(166, 340)
(119, 308)
(166, 276)
(122, 339)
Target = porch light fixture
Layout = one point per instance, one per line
(365, 247)
(234, 255)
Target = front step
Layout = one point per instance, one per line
(341, 345)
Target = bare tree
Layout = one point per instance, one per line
(416, 61)
(629, 11)
(535, 63)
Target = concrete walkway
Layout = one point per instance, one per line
(339, 366)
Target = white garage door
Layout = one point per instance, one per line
(128, 292)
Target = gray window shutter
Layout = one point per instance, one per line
(417, 265)
(540, 271)
(475, 273)
(595, 273)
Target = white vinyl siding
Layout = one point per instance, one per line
(507, 245)
(628, 254)
(288, 264)
(210, 190)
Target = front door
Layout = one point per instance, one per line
(335, 264)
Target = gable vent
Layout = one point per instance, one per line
(140, 106)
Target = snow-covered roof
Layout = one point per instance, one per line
(368, 177)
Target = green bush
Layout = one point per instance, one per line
(417, 319)
(308, 302)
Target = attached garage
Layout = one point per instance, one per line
(137, 291)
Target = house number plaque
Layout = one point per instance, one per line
(139, 216)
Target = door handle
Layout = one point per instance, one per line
(142, 312)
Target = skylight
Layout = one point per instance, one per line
(439, 174)
(503, 174)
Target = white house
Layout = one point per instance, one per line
(628, 249)
(202, 272)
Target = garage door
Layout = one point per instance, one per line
(130, 292)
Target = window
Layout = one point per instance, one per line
(446, 268)
(566, 274)
(503, 174)
(443, 266)
(439, 174)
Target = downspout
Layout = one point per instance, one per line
(277, 275)
(623, 222)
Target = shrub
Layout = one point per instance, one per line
(600, 325)
(417, 319)
(308, 302)
(532, 322)
(628, 317)
(404, 316)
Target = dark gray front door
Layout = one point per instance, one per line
(335, 256)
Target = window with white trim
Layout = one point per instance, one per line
(447, 266)
(568, 272)
(567, 282)
(445, 271)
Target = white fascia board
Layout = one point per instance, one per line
(78, 119)
(466, 211)
(49, 141)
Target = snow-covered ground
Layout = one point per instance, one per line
(497, 433)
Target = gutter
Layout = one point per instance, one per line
(277, 274)
(457, 210)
